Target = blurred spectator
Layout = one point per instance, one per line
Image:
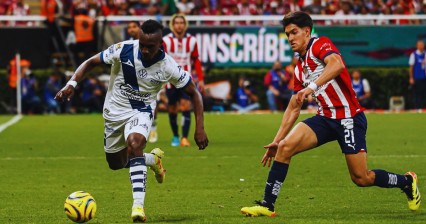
(422, 12)
(123, 9)
(208, 10)
(133, 29)
(168, 7)
(345, 9)
(245, 98)
(357, 5)
(84, 35)
(364, 11)
(93, 94)
(93, 8)
(315, 8)
(53, 85)
(417, 80)
(109, 8)
(293, 5)
(12, 80)
(362, 89)
(185, 6)
(19, 8)
(384, 11)
(49, 9)
(278, 94)
(29, 87)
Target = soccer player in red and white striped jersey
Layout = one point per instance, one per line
(321, 73)
(182, 46)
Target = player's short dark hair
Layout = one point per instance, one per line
(298, 18)
(151, 26)
(135, 22)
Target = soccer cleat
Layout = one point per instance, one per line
(258, 210)
(412, 192)
(175, 141)
(184, 142)
(159, 171)
(138, 214)
(153, 136)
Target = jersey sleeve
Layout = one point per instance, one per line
(298, 85)
(324, 47)
(176, 75)
(411, 60)
(112, 54)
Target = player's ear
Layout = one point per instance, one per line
(307, 31)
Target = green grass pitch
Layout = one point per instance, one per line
(45, 158)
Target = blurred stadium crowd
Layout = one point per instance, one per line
(50, 8)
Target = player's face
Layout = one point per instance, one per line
(133, 30)
(149, 44)
(179, 25)
(297, 37)
(420, 45)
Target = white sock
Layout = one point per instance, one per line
(138, 179)
(149, 159)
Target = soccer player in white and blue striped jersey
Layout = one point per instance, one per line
(140, 69)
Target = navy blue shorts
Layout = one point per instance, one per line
(174, 95)
(350, 132)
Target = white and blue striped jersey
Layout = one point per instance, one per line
(134, 83)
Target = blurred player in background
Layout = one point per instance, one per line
(182, 46)
(139, 70)
(321, 72)
(133, 30)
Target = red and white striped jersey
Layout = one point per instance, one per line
(184, 50)
(336, 99)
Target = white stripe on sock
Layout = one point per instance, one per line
(138, 196)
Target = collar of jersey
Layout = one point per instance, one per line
(148, 63)
(309, 46)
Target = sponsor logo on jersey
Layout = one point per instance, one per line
(142, 73)
(111, 49)
(118, 46)
(132, 94)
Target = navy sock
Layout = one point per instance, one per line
(389, 180)
(275, 180)
(186, 123)
(173, 123)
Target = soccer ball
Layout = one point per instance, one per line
(80, 206)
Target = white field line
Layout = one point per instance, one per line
(186, 157)
(11, 122)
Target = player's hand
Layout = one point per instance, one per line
(65, 93)
(271, 151)
(303, 94)
(268, 157)
(201, 139)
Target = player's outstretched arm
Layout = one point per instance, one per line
(200, 135)
(68, 91)
(290, 116)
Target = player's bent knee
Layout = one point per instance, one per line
(284, 150)
(114, 165)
